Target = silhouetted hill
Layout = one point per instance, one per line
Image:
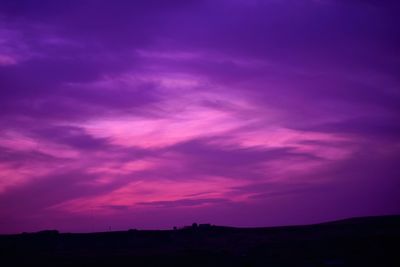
(367, 241)
(381, 220)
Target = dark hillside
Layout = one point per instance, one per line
(370, 241)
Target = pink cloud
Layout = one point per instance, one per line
(7, 60)
(134, 194)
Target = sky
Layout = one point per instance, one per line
(153, 114)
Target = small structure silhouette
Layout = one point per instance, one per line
(204, 226)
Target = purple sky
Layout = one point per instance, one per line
(149, 114)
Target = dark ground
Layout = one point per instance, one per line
(370, 241)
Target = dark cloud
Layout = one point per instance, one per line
(378, 3)
(74, 137)
(117, 207)
(18, 157)
(42, 95)
(201, 157)
(184, 202)
(230, 155)
(379, 129)
(42, 192)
